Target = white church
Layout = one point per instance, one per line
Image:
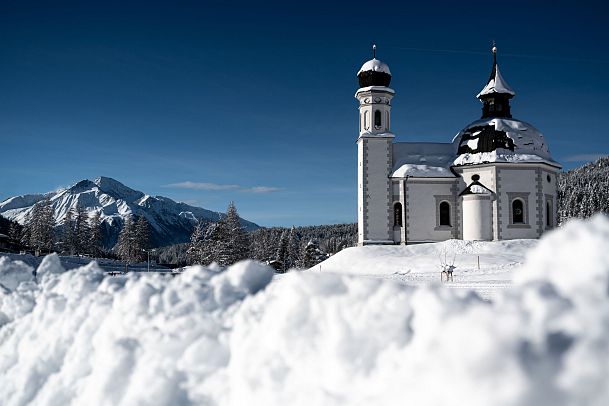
(496, 180)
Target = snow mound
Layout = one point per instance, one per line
(239, 336)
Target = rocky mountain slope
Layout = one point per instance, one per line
(171, 222)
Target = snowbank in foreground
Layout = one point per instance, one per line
(239, 336)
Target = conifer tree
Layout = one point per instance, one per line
(39, 232)
(95, 236)
(69, 233)
(293, 258)
(82, 231)
(237, 244)
(125, 244)
(195, 248)
(142, 238)
(312, 255)
(282, 251)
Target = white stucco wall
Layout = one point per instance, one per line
(549, 194)
(423, 197)
(518, 182)
(477, 217)
(374, 194)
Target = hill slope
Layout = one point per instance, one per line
(171, 222)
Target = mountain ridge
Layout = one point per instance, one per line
(171, 222)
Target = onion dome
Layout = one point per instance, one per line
(500, 140)
(496, 94)
(374, 72)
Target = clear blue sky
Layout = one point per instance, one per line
(253, 102)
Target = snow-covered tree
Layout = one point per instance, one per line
(82, 230)
(142, 237)
(195, 248)
(293, 258)
(312, 255)
(38, 231)
(125, 247)
(95, 236)
(238, 244)
(282, 251)
(69, 241)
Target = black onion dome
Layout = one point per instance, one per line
(374, 73)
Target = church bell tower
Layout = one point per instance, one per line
(374, 146)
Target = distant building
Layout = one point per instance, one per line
(496, 180)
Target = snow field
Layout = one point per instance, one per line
(420, 264)
(241, 336)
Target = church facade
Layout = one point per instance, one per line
(496, 180)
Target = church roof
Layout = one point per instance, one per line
(476, 188)
(501, 140)
(374, 72)
(422, 160)
(496, 84)
(374, 65)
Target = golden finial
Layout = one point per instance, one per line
(374, 51)
(494, 48)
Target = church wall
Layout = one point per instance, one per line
(523, 184)
(374, 212)
(424, 197)
(549, 195)
(477, 218)
(488, 177)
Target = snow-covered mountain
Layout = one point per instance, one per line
(171, 222)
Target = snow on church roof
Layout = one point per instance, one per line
(528, 142)
(496, 84)
(375, 65)
(422, 160)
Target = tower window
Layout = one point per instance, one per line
(517, 212)
(445, 214)
(548, 215)
(377, 119)
(397, 214)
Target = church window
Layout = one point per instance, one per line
(366, 119)
(377, 119)
(548, 214)
(387, 120)
(397, 214)
(445, 214)
(517, 211)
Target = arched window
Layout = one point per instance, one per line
(517, 211)
(397, 214)
(377, 118)
(548, 214)
(444, 214)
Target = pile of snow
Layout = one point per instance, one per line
(240, 336)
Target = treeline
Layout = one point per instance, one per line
(584, 191)
(225, 242)
(78, 234)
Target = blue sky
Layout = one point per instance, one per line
(211, 101)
